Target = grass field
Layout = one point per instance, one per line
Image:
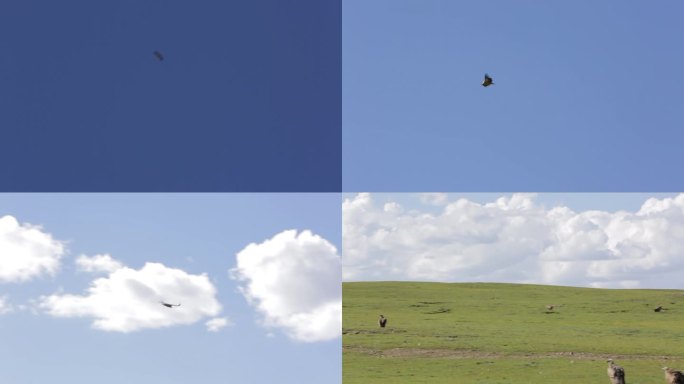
(503, 333)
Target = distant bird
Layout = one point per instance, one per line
(158, 55)
(382, 321)
(487, 81)
(169, 305)
(616, 373)
(550, 307)
(673, 377)
(658, 309)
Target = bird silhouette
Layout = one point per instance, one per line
(169, 305)
(487, 81)
(158, 55)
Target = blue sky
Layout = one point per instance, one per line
(248, 97)
(194, 233)
(586, 97)
(600, 240)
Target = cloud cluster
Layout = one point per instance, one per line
(294, 281)
(26, 251)
(129, 300)
(513, 239)
(216, 324)
(97, 263)
(5, 307)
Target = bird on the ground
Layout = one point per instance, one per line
(158, 55)
(382, 321)
(616, 373)
(658, 309)
(673, 377)
(550, 307)
(169, 305)
(487, 81)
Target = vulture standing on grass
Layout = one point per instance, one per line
(658, 309)
(673, 377)
(158, 55)
(616, 373)
(382, 321)
(169, 305)
(487, 81)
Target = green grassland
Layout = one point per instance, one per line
(503, 333)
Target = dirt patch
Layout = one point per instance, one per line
(469, 354)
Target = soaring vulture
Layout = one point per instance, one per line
(616, 373)
(169, 305)
(673, 377)
(382, 321)
(487, 81)
(158, 55)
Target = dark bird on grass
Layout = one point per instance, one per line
(673, 377)
(158, 55)
(616, 373)
(169, 305)
(658, 309)
(487, 81)
(382, 321)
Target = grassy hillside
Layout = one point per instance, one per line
(503, 333)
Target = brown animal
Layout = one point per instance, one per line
(673, 377)
(658, 309)
(616, 373)
(382, 321)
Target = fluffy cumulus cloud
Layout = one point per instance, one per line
(27, 251)
(514, 239)
(216, 324)
(294, 281)
(98, 263)
(129, 300)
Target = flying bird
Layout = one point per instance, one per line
(158, 55)
(382, 321)
(169, 305)
(487, 81)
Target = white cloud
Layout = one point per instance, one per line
(216, 324)
(129, 300)
(294, 281)
(434, 198)
(5, 307)
(26, 251)
(513, 239)
(98, 263)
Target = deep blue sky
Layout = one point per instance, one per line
(247, 99)
(198, 233)
(587, 95)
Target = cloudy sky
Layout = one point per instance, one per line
(592, 240)
(585, 96)
(257, 277)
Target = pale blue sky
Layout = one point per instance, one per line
(193, 232)
(587, 95)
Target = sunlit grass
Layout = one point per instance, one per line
(504, 333)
